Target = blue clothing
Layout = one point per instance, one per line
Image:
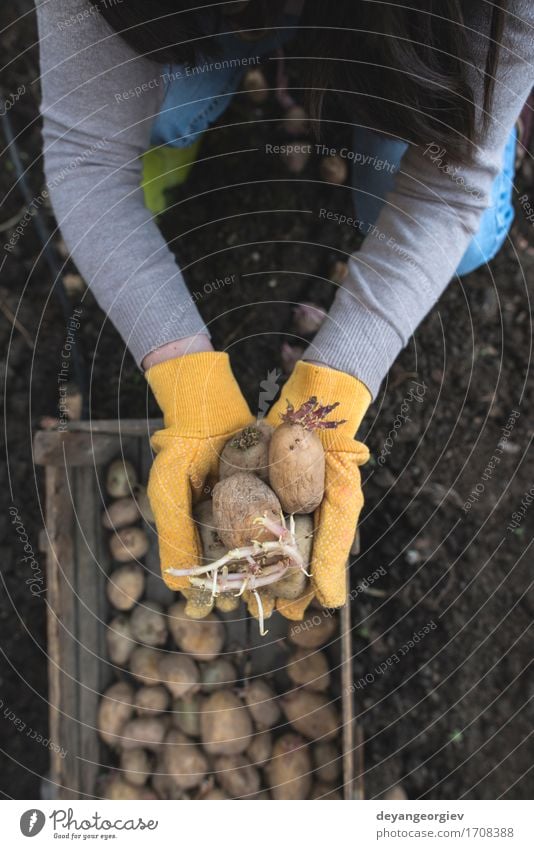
(195, 97)
(372, 184)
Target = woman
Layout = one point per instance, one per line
(435, 93)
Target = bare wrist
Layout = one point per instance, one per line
(178, 348)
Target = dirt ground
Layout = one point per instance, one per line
(449, 711)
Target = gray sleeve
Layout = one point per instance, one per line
(98, 102)
(423, 229)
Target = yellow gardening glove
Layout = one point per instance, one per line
(336, 519)
(202, 407)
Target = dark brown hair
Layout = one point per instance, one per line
(400, 69)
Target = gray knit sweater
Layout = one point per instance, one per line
(92, 147)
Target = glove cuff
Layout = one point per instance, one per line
(329, 385)
(199, 395)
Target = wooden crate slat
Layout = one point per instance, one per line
(64, 702)
(346, 701)
(62, 448)
(53, 640)
(92, 566)
(125, 427)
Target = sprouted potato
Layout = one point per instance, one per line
(238, 503)
(247, 451)
(296, 457)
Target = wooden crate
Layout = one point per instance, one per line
(78, 563)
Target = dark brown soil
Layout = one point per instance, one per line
(449, 716)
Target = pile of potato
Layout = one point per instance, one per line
(256, 529)
(181, 721)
